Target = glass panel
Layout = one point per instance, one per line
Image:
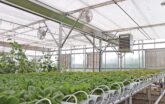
(132, 60)
(162, 45)
(148, 46)
(110, 60)
(77, 61)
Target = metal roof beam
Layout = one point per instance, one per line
(95, 6)
(134, 28)
(7, 44)
(22, 26)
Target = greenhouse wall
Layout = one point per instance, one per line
(155, 59)
(110, 60)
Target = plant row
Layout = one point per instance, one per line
(30, 87)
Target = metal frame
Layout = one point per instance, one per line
(95, 6)
(135, 28)
(89, 30)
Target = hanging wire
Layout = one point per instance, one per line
(140, 28)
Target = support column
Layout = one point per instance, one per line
(105, 60)
(35, 60)
(84, 55)
(143, 60)
(65, 59)
(126, 101)
(100, 54)
(70, 58)
(139, 54)
(124, 66)
(120, 60)
(59, 47)
(93, 54)
(149, 94)
(130, 100)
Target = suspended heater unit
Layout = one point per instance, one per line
(125, 42)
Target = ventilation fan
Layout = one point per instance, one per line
(163, 3)
(9, 37)
(42, 33)
(86, 15)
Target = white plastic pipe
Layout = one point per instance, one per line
(160, 97)
(44, 99)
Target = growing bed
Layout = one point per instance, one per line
(29, 88)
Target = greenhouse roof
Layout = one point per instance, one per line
(144, 19)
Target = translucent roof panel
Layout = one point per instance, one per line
(69, 5)
(16, 15)
(111, 17)
(144, 12)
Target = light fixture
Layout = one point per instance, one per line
(9, 38)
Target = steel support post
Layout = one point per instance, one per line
(93, 54)
(149, 94)
(126, 101)
(65, 59)
(121, 59)
(84, 55)
(139, 55)
(100, 54)
(142, 54)
(73, 64)
(130, 100)
(154, 44)
(105, 60)
(70, 63)
(118, 61)
(59, 47)
(35, 60)
(124, 66)
(143, 60)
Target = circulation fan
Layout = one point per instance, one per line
(86, 15)
(42, 33)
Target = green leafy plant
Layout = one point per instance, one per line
(28, 88)
(46, 64)
(17, 62)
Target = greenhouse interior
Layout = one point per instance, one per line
(82, 51)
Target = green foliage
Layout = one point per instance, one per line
(17, 62)
(28, 88)
(46, 64)
(12, 100)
